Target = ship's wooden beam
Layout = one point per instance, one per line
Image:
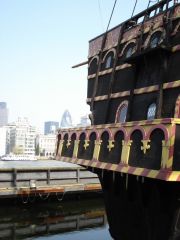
(80, 64)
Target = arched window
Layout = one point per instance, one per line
(92, 68)
(121, 113)
(129, 50)
(151, 113)
(108, 58)
(108, 62)
(155, 39)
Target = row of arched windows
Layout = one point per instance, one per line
(128, 50)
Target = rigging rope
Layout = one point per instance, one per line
(148, 4)
(134, 8)
(99, 64)
(111, 15)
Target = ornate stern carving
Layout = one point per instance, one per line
(145, 146)
(125, 151)
(97, 149)
(86, 144)
(111, 145)
(76, 146)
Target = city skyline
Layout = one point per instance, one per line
(40, 42)
(50, 126)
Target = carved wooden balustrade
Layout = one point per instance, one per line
(143, 148)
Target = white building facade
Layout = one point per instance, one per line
(46, 144)
(22, 138)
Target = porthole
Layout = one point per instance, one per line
(151, 113)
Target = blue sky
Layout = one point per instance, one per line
(39, 42)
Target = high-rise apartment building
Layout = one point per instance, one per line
(3, 114)
(50, 127)
(22, 138)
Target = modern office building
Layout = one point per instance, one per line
(22, 138)
(3, 114)
(9, 127)
(50, 127)
(84, 122)
(3, 139)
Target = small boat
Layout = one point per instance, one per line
(13, 157)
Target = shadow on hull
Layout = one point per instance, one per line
(141, 209)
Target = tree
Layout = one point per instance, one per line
(37, 149)
(18, 150)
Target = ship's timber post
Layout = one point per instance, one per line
(121, 31)
(97, 77)
(163, 76)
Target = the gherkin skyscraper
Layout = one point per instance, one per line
(66, 120)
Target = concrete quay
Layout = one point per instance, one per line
(42, 178)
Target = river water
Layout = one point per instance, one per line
(67, 220)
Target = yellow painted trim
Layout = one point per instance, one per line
(76, 147)
(153, 173)
(173, 84)
(120, 94)
(165, 153)
(104, 72)
(68, 143)
(94, 164)
(170, 159)
(138, 171)
(176, 48)
(60, 147)
(153, 88)
(145, 146)
(91, 76)
(146, 89)
(113, 167)
(86, 144)
(123, 66)
(97, 150)
(110, 145)
(125, 151)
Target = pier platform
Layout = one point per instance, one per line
(42, 177)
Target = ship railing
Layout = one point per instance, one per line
(152, 11)
(143, 148)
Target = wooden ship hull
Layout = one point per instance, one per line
(133, 143)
